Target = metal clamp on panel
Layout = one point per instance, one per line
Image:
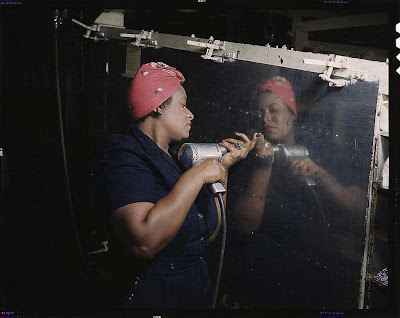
(326, 75)
(94, 28)
(105, 19)
(104, 248)
(211, 46)
(143, 35)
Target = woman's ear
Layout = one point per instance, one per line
(292, 118)
(159, 110)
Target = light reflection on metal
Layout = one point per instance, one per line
(382, 278)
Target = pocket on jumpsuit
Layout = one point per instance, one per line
(149, 292)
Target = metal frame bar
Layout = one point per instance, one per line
(375, 167)
(358, 69)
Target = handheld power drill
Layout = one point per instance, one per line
(191, 154)
(289, 153)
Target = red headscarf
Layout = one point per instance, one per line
(282, 88)
(152, 85)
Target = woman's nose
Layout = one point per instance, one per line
(190, 115)
(268, 117)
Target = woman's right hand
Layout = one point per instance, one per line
(210, 170)
(262, 152)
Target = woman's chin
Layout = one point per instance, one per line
(271, 138)
(183, 137)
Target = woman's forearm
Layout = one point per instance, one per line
(168, 214)
(349, 198)
(250, 206)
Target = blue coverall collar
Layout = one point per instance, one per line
(151, 147)
(147, 143)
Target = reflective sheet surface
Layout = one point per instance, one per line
(295, 224)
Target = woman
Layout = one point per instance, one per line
(276, 104)
(162, 218)
(285, 260)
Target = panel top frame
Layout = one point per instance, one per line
(353, 69)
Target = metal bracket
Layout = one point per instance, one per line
(143, 35)
(326, 75)
(94, 28)
(211, 46)
(104, 249)
(113, 19)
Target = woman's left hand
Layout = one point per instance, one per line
(237, 149)
(303, 168)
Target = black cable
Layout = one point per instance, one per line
(70, 203)
(221, 257)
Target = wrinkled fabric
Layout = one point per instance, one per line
(152, 85)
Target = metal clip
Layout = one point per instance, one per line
(326, 76)
(94, 28)
(102, 250)
(95, 38)
(211, 46)
(231, 55)
(143, 35)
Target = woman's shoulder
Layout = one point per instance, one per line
(120, 142)
(123, 149)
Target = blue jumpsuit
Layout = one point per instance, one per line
(137, 170)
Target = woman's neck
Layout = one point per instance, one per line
(290, 140)
(156, 133)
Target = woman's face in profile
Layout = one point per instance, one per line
(277, 119)
(177, 118)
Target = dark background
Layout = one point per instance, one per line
(42, 270)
